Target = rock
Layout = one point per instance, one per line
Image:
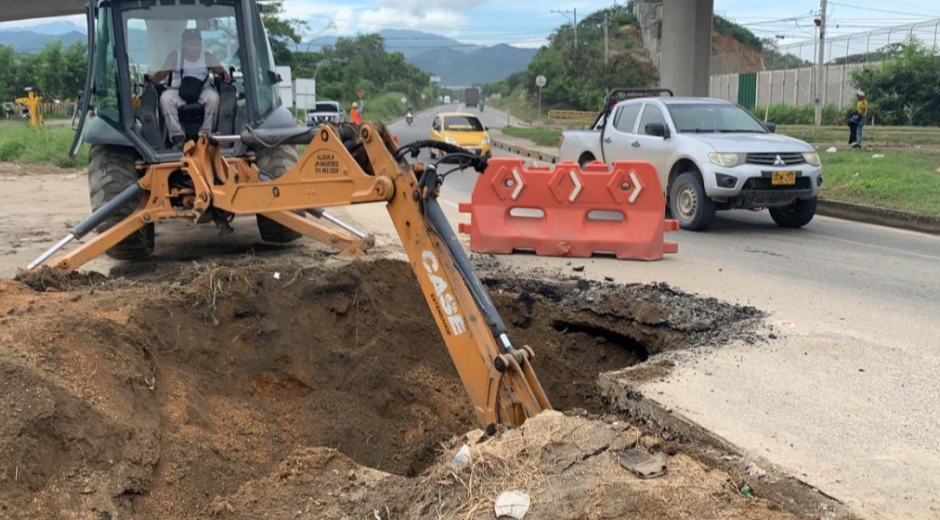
(755, 471)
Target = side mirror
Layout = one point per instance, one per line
(486, 129)
(274, 77)
(657, 129)
(771, 127)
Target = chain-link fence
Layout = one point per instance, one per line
(786, 74)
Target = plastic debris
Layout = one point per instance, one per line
(277, 276)
(832, 150)
(462, 458)
(643, 465)
(512, 504)
(746, 491)
(878, 156)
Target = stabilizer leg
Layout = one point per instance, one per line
(349, 246)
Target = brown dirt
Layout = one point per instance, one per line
(226, 391)
(732, 56)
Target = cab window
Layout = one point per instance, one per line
(626, 118)
(651, 115)
(436, 125)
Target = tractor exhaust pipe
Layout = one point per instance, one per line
(130, 194)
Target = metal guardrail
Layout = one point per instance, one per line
(572, 115)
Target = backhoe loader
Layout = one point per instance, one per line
(221, 174)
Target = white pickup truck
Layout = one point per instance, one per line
(710, 154)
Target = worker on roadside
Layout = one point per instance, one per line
(859, 118)
(354, 116)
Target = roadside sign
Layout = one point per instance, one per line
(423, 97)
(540, 81)
(305, 94)
(435, 79)
(404, 100)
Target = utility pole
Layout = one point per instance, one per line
(820, 61)
(606, 41)
(563, 13)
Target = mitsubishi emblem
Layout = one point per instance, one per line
(779, 162)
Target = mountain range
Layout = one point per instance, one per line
(457, 63)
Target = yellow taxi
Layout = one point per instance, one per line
(464, 130)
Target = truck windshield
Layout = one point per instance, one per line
(326, 107)
(712, 118)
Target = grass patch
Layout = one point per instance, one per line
(900, 180)
(520, 108)
(384, 108)
(47, 144)
(541, 136)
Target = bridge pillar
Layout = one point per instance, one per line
(686, 46)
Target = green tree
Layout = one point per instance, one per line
(282, 31)
(579, 79)
(906, 89)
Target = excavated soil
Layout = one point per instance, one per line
(263, 390)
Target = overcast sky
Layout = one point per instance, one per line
(504, 21)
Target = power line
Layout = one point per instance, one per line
(872, 9)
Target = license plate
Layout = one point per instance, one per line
(783, 178)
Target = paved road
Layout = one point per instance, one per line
(847, 397)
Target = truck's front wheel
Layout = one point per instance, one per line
(689, 204)
(795, 215)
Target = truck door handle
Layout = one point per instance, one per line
(608, 140)
(635, 144)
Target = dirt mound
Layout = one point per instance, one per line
(568, 465)
(172, 399)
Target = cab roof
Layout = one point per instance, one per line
(17, 10)
(458, 114)
(14, 10)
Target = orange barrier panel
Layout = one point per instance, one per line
(569, 212)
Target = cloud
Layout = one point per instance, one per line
(436, 19)
(424, 7)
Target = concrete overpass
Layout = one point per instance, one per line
(686, 46)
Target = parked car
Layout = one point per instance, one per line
(711, 155)
(326, 112)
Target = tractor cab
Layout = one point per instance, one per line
(162, 71)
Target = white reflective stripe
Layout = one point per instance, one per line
(637, 187)
(519, 184)
(577, 186)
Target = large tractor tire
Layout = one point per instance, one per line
(276, 162)
(110, 170)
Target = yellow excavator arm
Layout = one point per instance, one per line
(344, 165)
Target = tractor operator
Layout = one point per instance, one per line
(188, 69)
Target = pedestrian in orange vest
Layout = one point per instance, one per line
(354, 115)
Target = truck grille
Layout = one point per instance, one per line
(770, 159)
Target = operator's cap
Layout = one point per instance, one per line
(355, 105)
(192, 34)
(860, 93)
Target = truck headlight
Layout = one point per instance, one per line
(812, 158)
(485, 141)
(450, 140)
(728, 160)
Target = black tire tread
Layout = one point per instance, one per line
(707, 207)
(801, 214)
(275, 162)
(110, 170)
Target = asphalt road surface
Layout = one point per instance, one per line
(846, 396)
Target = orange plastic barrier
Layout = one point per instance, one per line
(569, 212)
